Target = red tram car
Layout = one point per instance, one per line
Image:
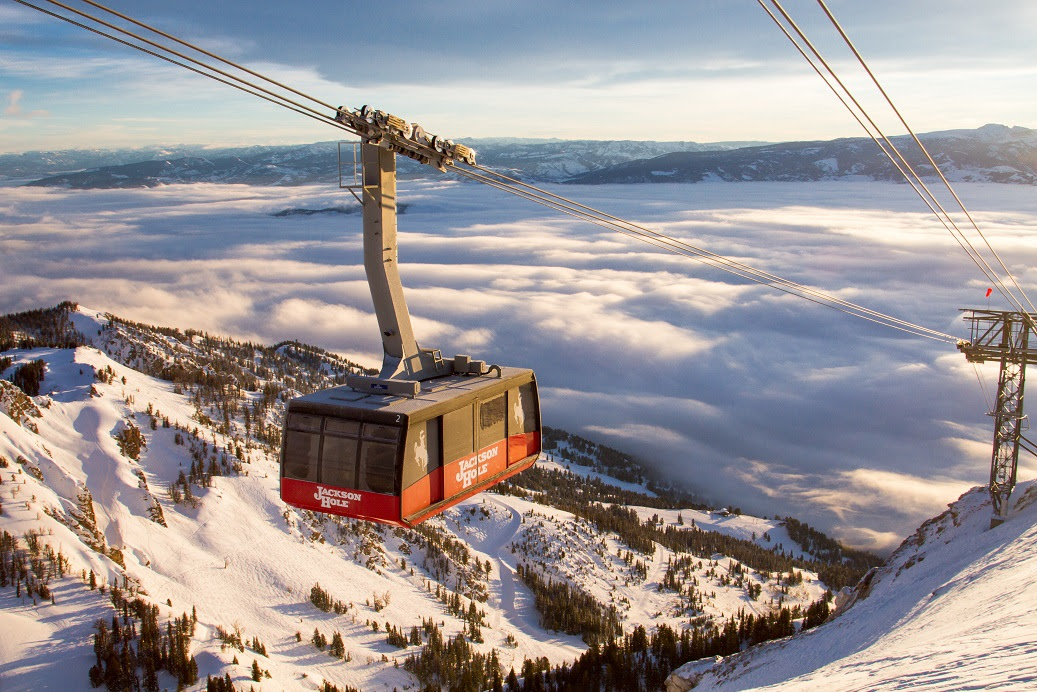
(400, 460)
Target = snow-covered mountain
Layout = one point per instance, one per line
(533, 159)
(142, 535)
(296, 165)
(557, 160)
(141, 530)
(953, 608)
(32, 165)
(993, 153)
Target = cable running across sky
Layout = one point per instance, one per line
(475, 172)
(913, 178)
(679, 247)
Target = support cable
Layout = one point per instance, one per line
(272, 96)
(719, 261)
(955, 233)
(910, 174)
(228, 82)
(925, 151)
(900, 161)
(680, 247)
(205, 52)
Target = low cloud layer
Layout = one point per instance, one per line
(751, 397)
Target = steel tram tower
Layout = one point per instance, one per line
(1004, 336)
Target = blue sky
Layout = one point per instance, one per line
(707, 70)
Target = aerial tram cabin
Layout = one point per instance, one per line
(426, 433)
(398, 459)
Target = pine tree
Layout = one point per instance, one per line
(28, 377)
(338, 647)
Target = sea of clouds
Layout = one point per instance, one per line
(751, 397)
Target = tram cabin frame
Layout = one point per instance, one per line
(400, 460)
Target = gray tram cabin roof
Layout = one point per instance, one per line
(434, 398)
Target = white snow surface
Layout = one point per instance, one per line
(954, 608)
(235, 557)
(550, 460)
(245, 561)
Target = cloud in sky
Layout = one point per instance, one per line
(749, 396)
(703, 71)
(14, 107)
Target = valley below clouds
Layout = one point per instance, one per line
(748, 396)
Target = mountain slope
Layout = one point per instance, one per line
(143, 479)
(234, 554)
(953, 608)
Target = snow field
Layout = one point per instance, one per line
(953, 608)
(245, 564)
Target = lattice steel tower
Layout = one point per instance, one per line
(1006, 337)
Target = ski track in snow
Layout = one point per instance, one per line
(512, 597)
(656, 571)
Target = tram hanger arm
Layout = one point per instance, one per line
(399, 136)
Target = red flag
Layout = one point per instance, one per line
(989, 291)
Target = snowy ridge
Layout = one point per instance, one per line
(169, 492)
(234, 557)
(952, 608)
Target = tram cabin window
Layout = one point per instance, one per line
(378, 458)
(492, 421)
(423, 454)
(458, 434)
(339, 453)
(346, 455)
(302, 447)
(523, 409)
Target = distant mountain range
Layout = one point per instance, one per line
(992, 153)
(556, 160)
(532, 159)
